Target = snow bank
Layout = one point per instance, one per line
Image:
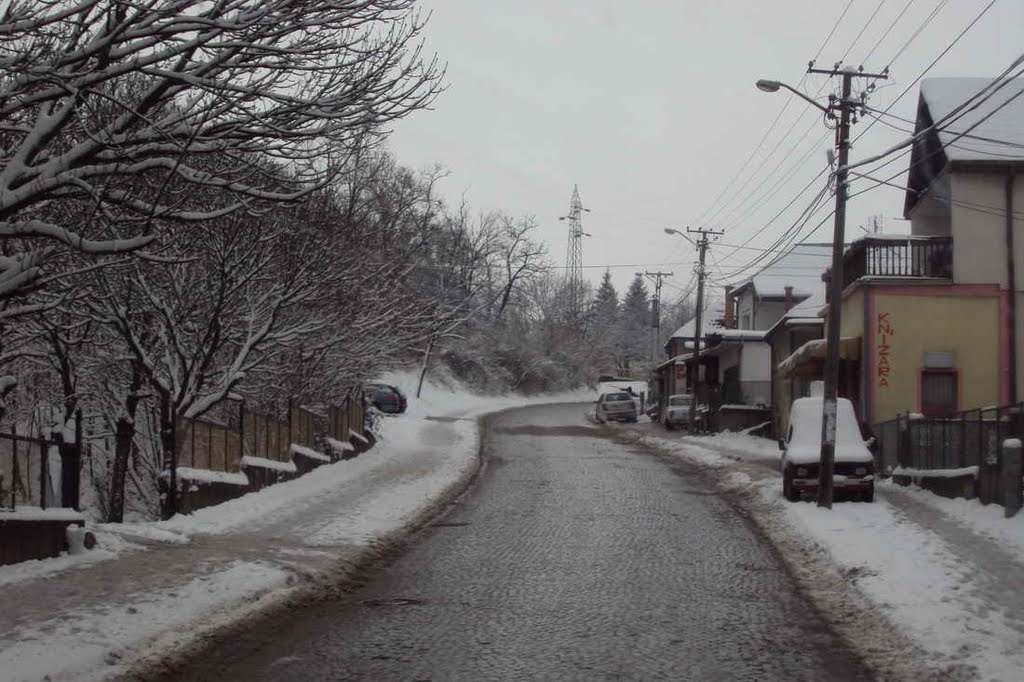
(272, 464)
(900, 568)
(108, 546)
(91, 644)
(207, 476)
(936, 473)
(297, 449)
(340, 445)
(38, 514)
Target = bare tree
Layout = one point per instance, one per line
(187, 101)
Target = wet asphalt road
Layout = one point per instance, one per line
(574, 557)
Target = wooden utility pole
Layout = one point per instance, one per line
(702, 247)
(846, 106)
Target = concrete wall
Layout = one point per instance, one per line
(745, 310)
(931, 216)
(768, 313)
(756, 362)
(908, 321)
(979, 240)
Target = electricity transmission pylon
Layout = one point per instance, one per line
(574, 255)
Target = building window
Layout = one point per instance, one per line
(939, 392)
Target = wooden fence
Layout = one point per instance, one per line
(205, 444)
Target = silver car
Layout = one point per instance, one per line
(616, 407)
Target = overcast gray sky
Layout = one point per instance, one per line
(649, 106)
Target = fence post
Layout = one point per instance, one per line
(44, 469)
(962, 458)
(241, 430)
(15, 469)
(288, 448)
(1011, 474)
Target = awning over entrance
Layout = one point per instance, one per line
(807, 360)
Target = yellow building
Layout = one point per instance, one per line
(924, 346)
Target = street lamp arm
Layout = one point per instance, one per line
(773, 86)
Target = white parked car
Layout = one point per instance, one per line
(677, 411)
(618, 406)
(854, 467)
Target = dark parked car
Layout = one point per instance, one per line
(386, 398)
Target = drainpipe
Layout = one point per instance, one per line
(1011, 285)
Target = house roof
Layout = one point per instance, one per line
(806, 312)
(985, 132)
(800, 267)
(711, 321)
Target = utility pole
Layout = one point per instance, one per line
(655, 277)
(574, 255)
(702, 246)
(847, 106)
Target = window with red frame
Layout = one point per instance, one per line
(939, 392)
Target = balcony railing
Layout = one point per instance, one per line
(904, 257)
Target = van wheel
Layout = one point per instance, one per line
(869, 496)
(787, 486)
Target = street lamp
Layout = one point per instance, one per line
(773, 86)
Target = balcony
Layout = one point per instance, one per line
(902, 257)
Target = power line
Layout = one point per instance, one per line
(771, 127)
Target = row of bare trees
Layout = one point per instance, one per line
(196, 208)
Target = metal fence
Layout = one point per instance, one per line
(26, 476)
(969, 438)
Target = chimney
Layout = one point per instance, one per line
(789, 298)
(730, 316)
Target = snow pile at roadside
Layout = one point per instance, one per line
(71, 645)
(946, 607)
(109, 546)
(420, 458)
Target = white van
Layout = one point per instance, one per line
(854, 469)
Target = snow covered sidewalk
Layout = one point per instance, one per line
(925, 587)
(152, 587)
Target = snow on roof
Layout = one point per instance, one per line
(714, 310)
(995, 138)
(799, 268)
(738, 334)
(806, 312)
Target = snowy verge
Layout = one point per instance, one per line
(895, 590)
(98, 645)
(260, 552)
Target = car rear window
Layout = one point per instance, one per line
(679, 400)
(617, 397)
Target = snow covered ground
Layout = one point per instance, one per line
(946, 575)
(153, 587)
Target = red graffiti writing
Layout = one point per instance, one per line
(883, 330)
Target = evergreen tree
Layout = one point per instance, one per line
(603, 327)
(635, 324)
